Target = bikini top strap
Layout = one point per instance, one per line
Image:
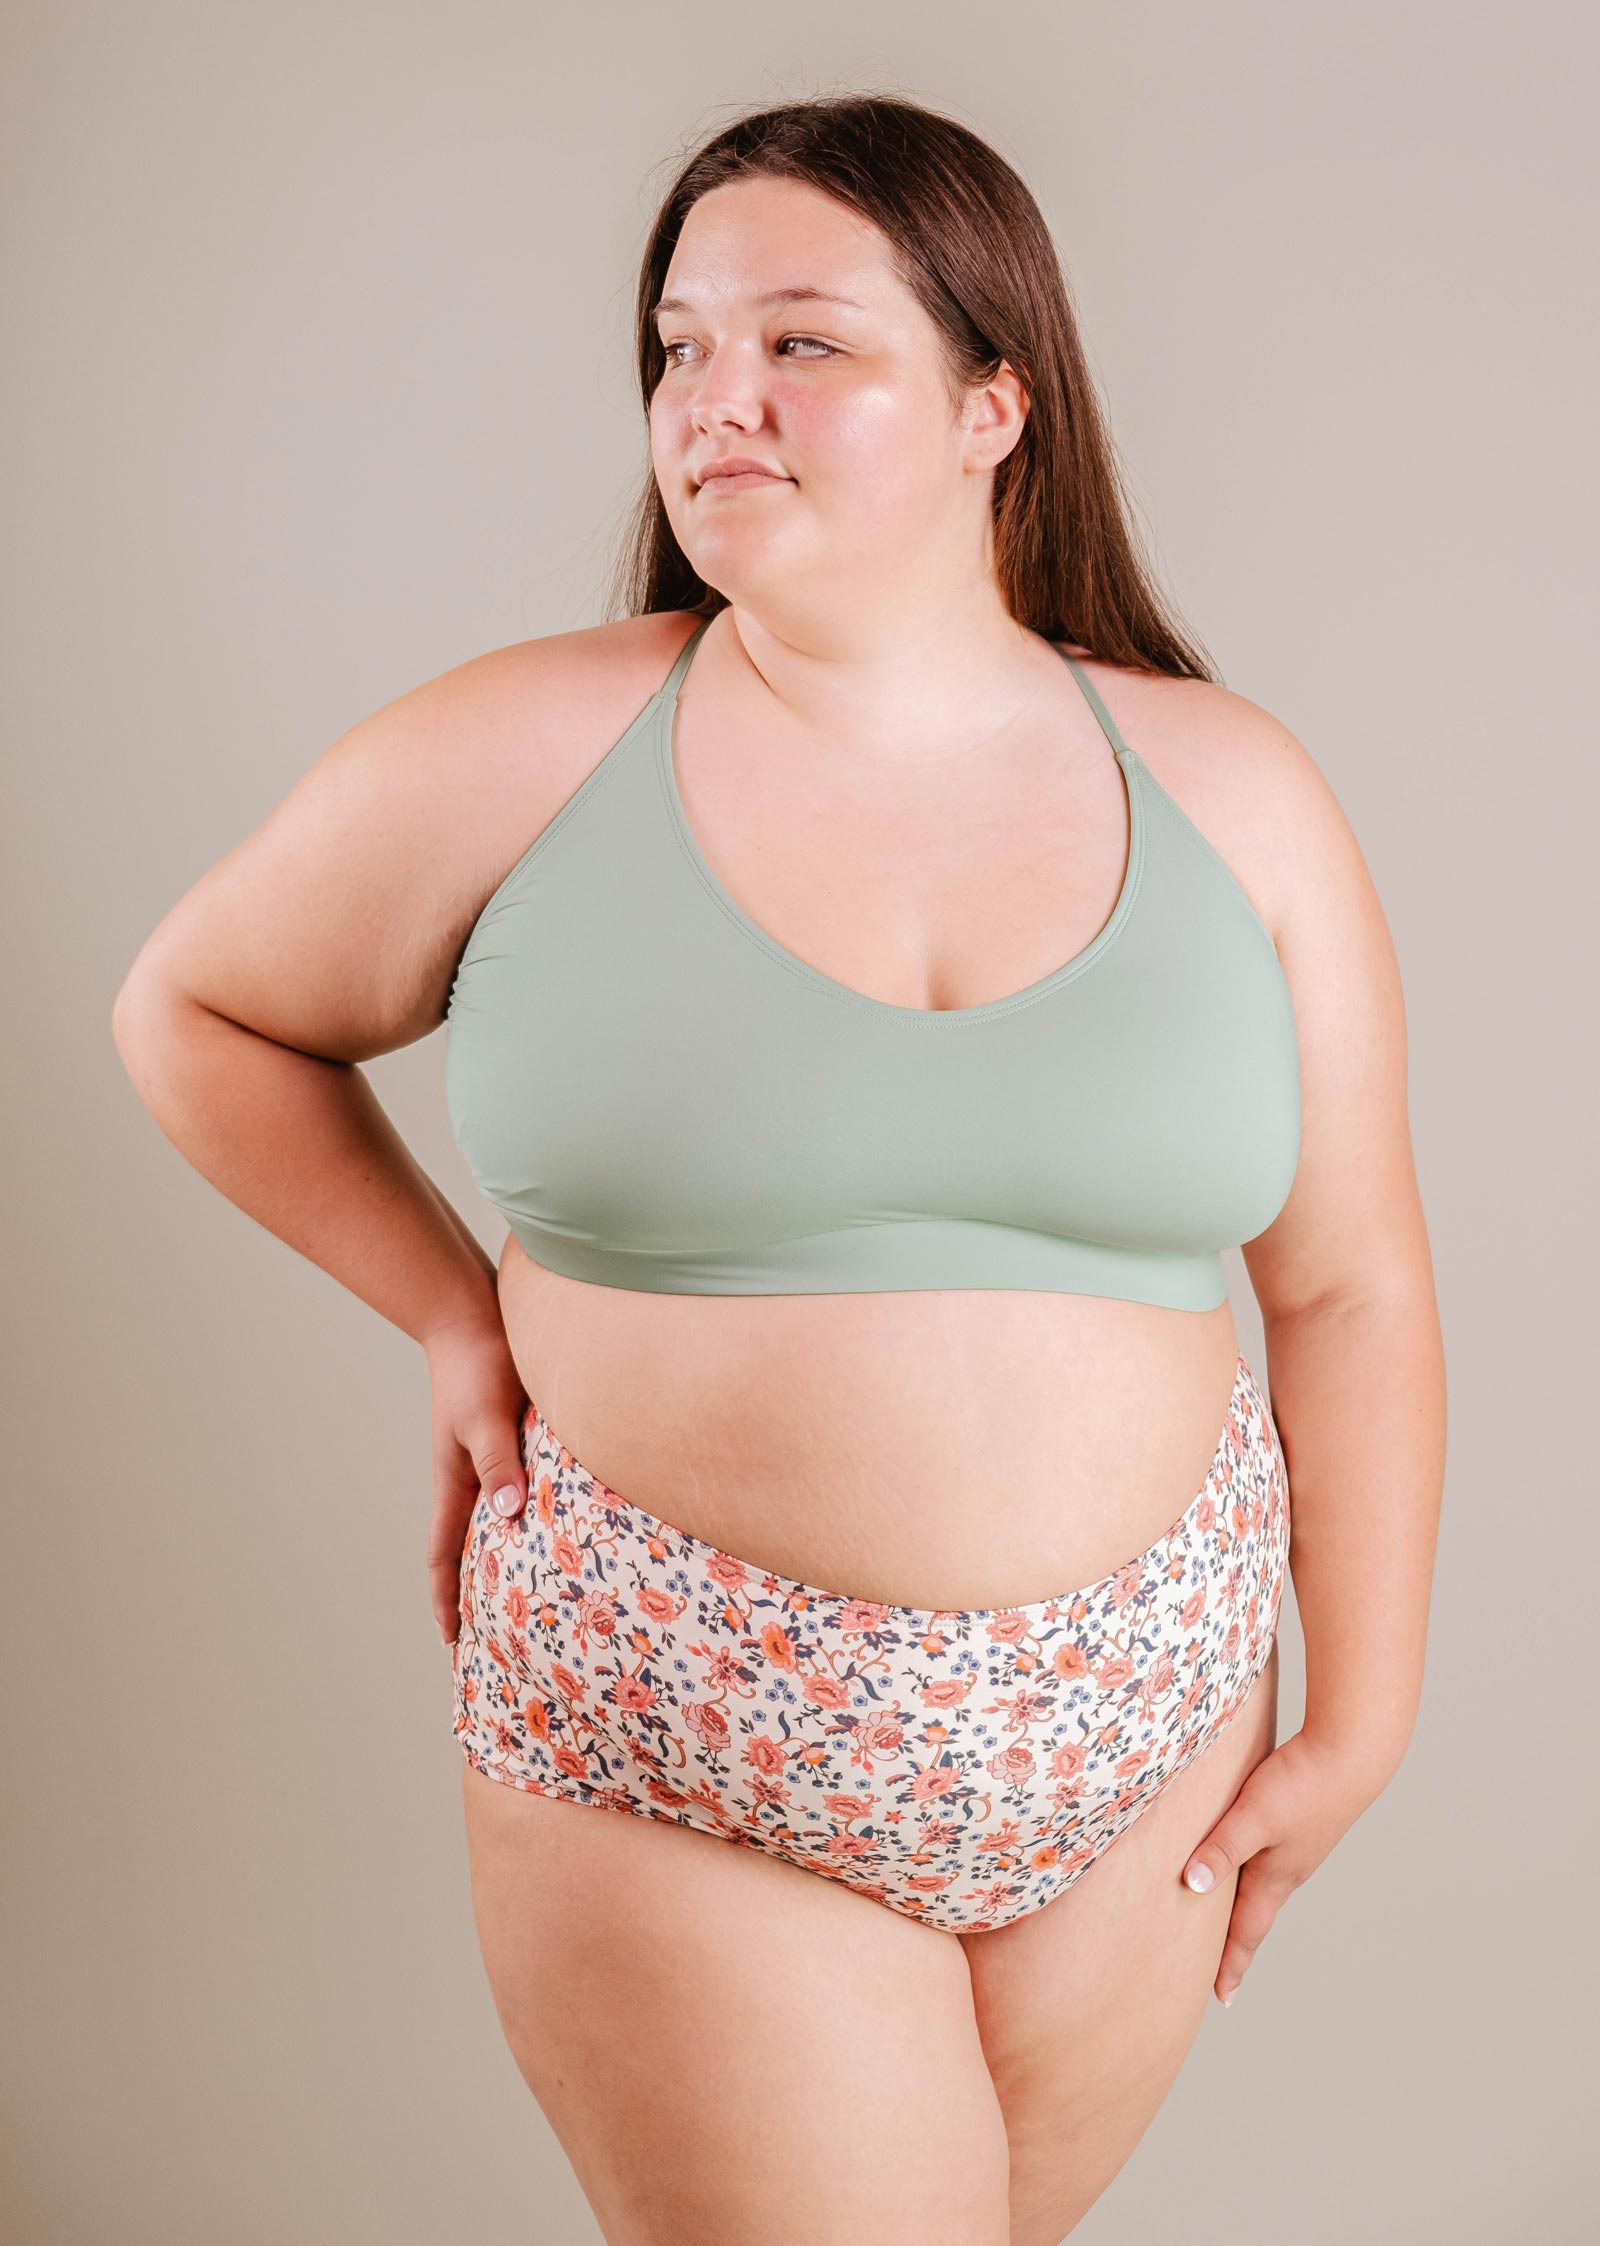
(674, 677)
(1106, 721)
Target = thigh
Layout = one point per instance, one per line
(726, 2046)
(1087, 2007)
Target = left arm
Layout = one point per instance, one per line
(1355, 1355)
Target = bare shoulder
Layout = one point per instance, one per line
(1254, 791)
(336, 925)
(509, 736)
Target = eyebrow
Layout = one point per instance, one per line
(797, 295)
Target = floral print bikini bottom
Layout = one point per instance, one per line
(961, 1766)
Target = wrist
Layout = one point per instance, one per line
(473, 1314)
(1373, 1753)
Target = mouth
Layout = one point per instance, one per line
(740, 479)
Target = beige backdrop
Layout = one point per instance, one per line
(317, 348)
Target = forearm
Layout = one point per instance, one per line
(1358, 1392)
(302, 1145)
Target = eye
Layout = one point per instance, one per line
(815, 344)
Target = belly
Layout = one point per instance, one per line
(966, 1449)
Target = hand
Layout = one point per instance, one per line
(478, 1402)
(1285, 1818)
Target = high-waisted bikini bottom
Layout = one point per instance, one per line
(962, 1766)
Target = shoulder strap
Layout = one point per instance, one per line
(1103, 716)
(674, 677)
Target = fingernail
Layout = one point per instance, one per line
(1232, 1993)
(507, 1498)
(1200, 1877)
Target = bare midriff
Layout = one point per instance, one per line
(958, 1449)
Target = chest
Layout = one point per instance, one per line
(939, 888)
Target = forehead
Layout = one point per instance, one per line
(766, 242)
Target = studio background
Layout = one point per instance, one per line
(317, 383)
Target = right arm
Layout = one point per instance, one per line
(329, 935)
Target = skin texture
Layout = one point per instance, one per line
(907, 791)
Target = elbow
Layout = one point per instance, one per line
(125, 1008)
(145, 994)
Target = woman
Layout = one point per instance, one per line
(883, 971)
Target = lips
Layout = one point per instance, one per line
(737, 469)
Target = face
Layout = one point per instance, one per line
(876, 488)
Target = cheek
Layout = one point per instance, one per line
(670, 431)
(864, 453)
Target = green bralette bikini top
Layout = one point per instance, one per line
(657, 1095)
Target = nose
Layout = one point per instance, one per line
(728, 389)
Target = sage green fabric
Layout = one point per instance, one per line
(657, 1095)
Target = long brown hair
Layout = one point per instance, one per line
(970, 242)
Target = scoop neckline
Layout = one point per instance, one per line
(989, 1009)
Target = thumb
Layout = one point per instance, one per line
(1232, 1840)
(502, 1474)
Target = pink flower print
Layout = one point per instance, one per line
(1069, 1659)
(1013, 1766)
(491, 1570)
(727, 1571)
(848, 1807)
(1114, 1672)
(1206, 1515)
(863, 1615)
(825, 1692)
(879, 1734)
(536, 1715)
(937, 1832)
(724, 1667)
(1230, 1644)
(567, 1555)
(1068, 1761)
(1193, 1607)
(571, 1764)
(657, 1605)
(764, 1756)
(597, 1613)
(569, 1686)
(945, 1692)
(544, 1501)
(777, 1646)
(634, 1695)
(1126, 1583)
(934, 1783)
(709, 1723)
(851, 1844)
(1008, 1628)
